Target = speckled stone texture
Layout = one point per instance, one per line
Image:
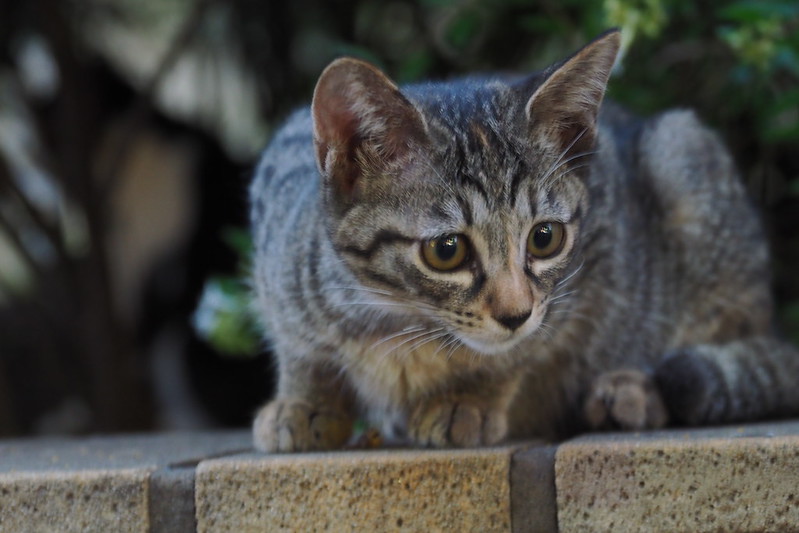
(103, 485)
(718, 479)
(734, 480)
(456, 490)
(74, 502)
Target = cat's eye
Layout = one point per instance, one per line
(545, 239)
(446, 253)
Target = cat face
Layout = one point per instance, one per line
(461, 203)
(476, 244)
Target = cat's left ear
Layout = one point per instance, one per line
(362, 124)
(564, 108)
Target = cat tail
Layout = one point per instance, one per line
(747, 379)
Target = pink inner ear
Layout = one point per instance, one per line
(566, 104)
(361, 122)
(335, 126)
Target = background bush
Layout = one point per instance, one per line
(83, 83)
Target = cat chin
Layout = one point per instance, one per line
(499, 345)
(492, 348)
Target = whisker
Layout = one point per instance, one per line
(554, 299)
(416, 304)
(455, 346)
(405, 331)
(372, 290)
(375, 304)
(445, 344)
(396, 347)
(559, 161)
(435, 335)
(570, 276)
(547, 331)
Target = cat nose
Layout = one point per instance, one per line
(513, 322)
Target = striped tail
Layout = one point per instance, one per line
(747, 379)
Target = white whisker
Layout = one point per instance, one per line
(435, 335)
(559, 161)
(455, 346)
(397, 346)
(445, 344)
(405, 331)
(570, 276)
(398, 300)
(376, 304)
(554, 299)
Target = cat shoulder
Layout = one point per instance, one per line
(677, 142)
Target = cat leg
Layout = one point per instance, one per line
(463, 419)
(741, 380)
(624, 399)
(312, 411)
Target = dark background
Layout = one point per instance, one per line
(128, 129)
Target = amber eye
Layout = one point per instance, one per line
(546, 239)
(447, 252)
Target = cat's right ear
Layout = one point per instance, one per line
(362, 123)
(564, 107)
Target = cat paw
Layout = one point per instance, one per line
(691, 387)
(625, 399)
(457, 421)
(293, 425)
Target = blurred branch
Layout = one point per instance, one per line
(71, 134)
(138, 114)
(52, 233)
(8, 228)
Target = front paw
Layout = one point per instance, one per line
(294, 425)
(461, 421)
(625, 399)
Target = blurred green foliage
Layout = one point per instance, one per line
(735, 61)
(224, 316)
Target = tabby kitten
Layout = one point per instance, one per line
(492, 258)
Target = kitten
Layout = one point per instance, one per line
(492, 258)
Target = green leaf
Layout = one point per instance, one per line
(790, 319)
(415, 66)
(542, 25)
(464, 28)
(782, 133)
(754, 11)
(224, 319)
(239, 239)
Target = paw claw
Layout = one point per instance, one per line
(625, 399)
(293, 425)
(461, 422)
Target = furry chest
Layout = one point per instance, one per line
(400, 372)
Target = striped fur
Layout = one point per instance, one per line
(655, 309)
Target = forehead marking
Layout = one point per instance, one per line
(480, 134)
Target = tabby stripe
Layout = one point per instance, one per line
(769, 359)
(382, 238)
(297, 173)
(302, 138)
(466, 179)
(468, 216)
(751, 391)
(719, 409)
(315, 282)
(477, 286)
(381, 279)
(516, 181)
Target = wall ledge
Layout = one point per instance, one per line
(735, 478)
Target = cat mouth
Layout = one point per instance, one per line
(494, 346)
(495, 343)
